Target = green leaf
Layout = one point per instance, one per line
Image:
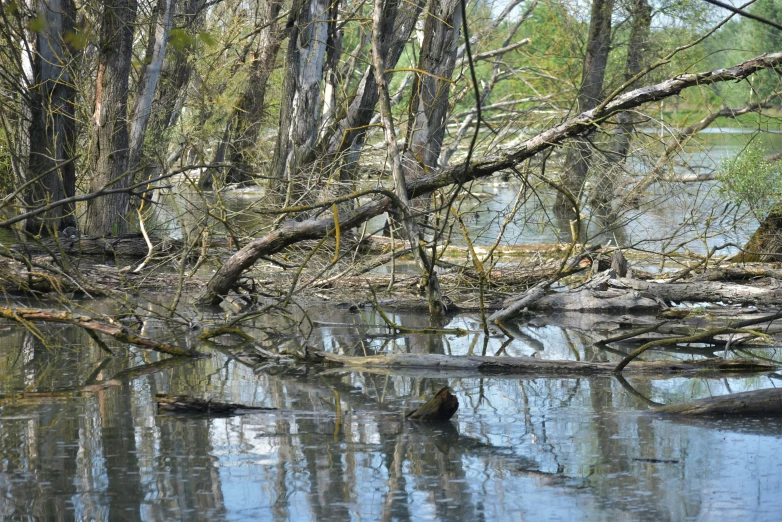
(207, 38)
(179, 39)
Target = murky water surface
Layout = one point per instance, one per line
(82, 438)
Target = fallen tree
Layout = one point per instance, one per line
(757, 402)
(709, 291)
(532, 366)
(26, 316)
(383, 200)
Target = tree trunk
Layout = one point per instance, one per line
(246, 119)
(150, 74)
(52, 130)
(401, 212)
(429, 103)
(346, 140)
(300, 103)
(592, 77)
(106, 215)
(637, 48)
(754, 403)
(765, 245)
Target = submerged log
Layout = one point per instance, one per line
(758, 402)
(439, 408)
(185, 404)
(532, 366)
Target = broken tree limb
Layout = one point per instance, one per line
(531, 365)
(118, 332)
(439, 408)
(186, 404)
(708, 291)
(532, 295)
(631, 334)
(293, 232)
(757, 402)
(734, 327)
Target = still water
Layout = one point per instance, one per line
(82, 438)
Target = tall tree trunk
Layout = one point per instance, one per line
(150, 74)
(606, 184)
(592, 76)
(349, 132)
(106, 215)
(401, 211)
(52, 130)
(331, 70)
(300, 103)
(429, 102)
(246, 120)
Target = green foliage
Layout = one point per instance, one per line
(749, 178)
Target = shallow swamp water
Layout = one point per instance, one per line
(82, 438)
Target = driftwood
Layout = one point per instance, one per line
(296, 231)
(25, 316)
(439, 408)
(532, 366)
(707, 291)
(733, 327)
(595, 301)
(758, 402)
(185, 404)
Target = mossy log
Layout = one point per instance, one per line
(185, 404)
(439, 408)
(752, 403)
(539, 367)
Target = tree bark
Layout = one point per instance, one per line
(150, 74)
(592, 76)
(431, 86)
(300, 103)
(246, 119)
(349, 132)
(478, 365)
(702, 291)
(225, 278)
(751, 403)
(106, 215)
(402, 211)
(52, 130)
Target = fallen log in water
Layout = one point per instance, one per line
(758, 402)
(707, 291)
(439, 408)
(532, 366)
(185, 404)
(25, 316)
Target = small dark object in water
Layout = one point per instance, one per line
(439, 408)
(185, 404)
(657, 461)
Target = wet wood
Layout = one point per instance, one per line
(25, 316)
(706, 291)
(186, 404)
(752, 403)
(596, 301)
(532, 366)
(439, 408)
